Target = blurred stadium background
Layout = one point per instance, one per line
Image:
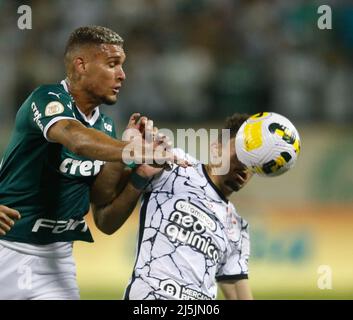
(190, 63)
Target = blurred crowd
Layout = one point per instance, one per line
(193, 60)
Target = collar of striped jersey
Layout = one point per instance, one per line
(218, 191)
(95, 112)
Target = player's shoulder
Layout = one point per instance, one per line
(181, 154)
(241, 221)
(54, 91)
(105, 118)
(159, 179)
(108, 122)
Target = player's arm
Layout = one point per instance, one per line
(115, 193)
(113, 207)
(236, 289)
(232, 277)
(110, 182)
(116, 189)
(93, 144)
(8, 217)
(109, 218)
(86, 142)
(114, 176)
(112, 197)
(52, 114)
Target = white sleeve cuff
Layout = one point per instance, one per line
(53, 121)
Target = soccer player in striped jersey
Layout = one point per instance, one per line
(191, 236)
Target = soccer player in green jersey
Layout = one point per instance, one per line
(59, 144)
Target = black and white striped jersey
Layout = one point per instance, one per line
(190, 237)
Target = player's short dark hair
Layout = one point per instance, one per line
(92, 35)
(234, 122)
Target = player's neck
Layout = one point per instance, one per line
(82, 100)
(217, 180)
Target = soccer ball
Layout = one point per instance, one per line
(268, 144)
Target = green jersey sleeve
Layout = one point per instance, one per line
(49, 104)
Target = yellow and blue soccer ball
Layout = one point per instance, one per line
(268, 144)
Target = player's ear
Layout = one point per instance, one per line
(79, 65)
(215, 146)
(215, 152)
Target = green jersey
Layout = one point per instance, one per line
(44, 181)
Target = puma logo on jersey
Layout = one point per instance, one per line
(55, 94)
(84, 168)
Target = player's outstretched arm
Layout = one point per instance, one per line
(86, 142)
(7, 219)
(114, 176)
(93, 144)
(236, 290)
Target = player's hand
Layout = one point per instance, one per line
(137, 122)
(162, 148)
(149, 146)
(136, 127)
(7, 219)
